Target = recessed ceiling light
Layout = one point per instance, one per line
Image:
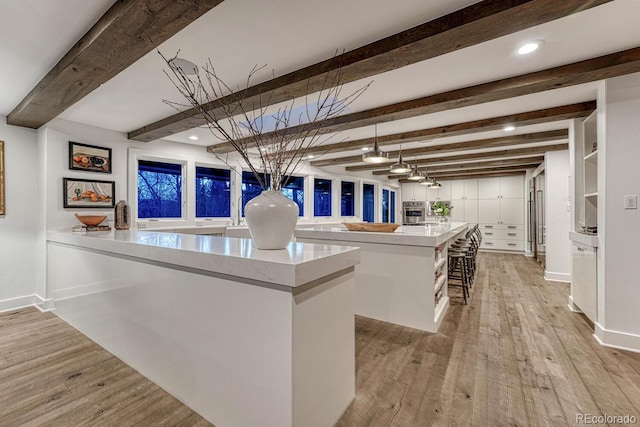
(529, 47)
(365, 148)
(509, 128)
(193, 137)
(310, 156)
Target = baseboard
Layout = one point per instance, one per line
(616, 339)
(557, 277)
(44, 304)
(572, 306)
(528, 254)
(26, 301)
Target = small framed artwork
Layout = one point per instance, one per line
(89, 158)
(87, 193)
(2, 212)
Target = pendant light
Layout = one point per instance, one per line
(400, 167)
(415, 175)
(376, 155)
(435, 184)
(427, 182)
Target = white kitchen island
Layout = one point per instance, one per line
(402, 276)
(244, 337)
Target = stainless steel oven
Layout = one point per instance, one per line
(414, 212)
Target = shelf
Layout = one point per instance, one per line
(439, 263)
(438, 285)
(591, 194)
(592, 157)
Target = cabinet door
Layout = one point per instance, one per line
(489, 211)
(444, 192)
(511, 211)
(488, 188)
(433, 195)
(457, 189)
(420, 192)
(458, 213)
(585, 281)
(471, 211)
(470, 188)
(407, 192)
(512, 187)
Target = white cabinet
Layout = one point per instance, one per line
(442, 193)
(462, 189)
(501, 211)
(412, 191)
(465, 210)
(584, 285)
(502, 237)
(506, 187)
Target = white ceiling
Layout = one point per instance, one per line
(289, 34)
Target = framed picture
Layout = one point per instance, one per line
(87, 193)
(2, 208)
(89, 158)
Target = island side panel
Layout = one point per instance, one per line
(222, 347)
(324, 372)
(394, 283)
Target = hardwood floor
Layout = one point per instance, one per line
(515, 356)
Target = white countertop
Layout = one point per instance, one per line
(296, 265)
(585, 239)
(412, 235)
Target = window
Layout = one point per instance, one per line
(159, 190)
(392, 206)
(385, 205)
(388, 205)
(295, 191)
(368, 202)
(322, 197)
(251, 186)
(213, 192)
(347, 198)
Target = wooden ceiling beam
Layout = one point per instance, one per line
(505, 141)
(480, 174)
(526, 162)
(477, 23)
(488, 155)
(546, 115)
(603, 67)
(125, 33)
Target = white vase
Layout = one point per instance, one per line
(271, 218)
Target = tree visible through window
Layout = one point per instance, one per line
(368, 202)
(347, 198)
(159, 190)
(251, 187)
(213, 192)
(385, 205)
(295, 191)
(321, 197)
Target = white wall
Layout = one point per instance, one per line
(618, 228)
(557, 216)
(19, 227)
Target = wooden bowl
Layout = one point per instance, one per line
(381, 227)
(91, 220)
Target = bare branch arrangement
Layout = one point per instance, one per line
(257, 134)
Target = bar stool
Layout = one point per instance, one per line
(459, 270)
